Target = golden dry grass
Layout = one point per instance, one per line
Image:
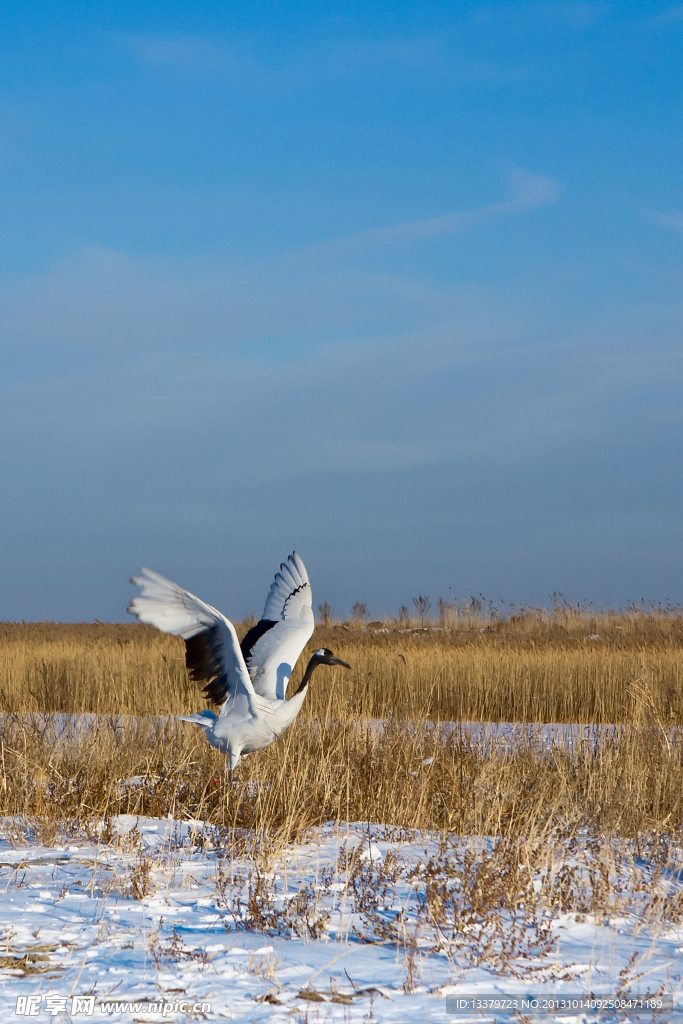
(335, 764)
(541, 667)
(339, 771)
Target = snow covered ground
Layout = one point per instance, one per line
(163, 913)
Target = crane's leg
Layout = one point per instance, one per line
(234, 757)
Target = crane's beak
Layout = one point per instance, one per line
(338, 661)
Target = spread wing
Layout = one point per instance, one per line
(272, 647)
(212, 650)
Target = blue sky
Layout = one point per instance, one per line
(396, 285)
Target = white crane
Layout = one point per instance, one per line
(247, 682)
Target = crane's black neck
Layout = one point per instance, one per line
(310, 669)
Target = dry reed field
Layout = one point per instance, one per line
(560, 666)
(338, 762)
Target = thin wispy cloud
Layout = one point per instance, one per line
(415, 53)
(188, 51)
(199, 57)
(573, 14)
(439, 57)
(671, 14)
(672, 219)
(99, 297)
(435, 57)
(529, 191)
(494, 387)
(215, 57)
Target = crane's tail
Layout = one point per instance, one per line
(204, 718)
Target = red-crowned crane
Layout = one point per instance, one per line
(247, 681)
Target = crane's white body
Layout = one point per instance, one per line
(249, 682)
(234, 733)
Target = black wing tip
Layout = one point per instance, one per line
(216, 690)
(252, 636)
(204, 664)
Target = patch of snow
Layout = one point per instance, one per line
(70, 925)
(372, 853)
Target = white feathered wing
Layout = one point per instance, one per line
(213, 650)
(272, 647)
